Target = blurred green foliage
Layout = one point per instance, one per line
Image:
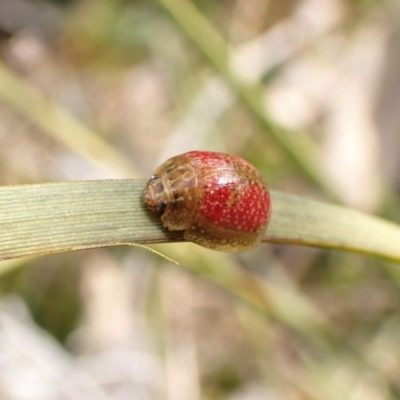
(127, 70)
(50, 285)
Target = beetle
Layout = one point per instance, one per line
(219, 200)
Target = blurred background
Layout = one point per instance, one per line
(131, 89)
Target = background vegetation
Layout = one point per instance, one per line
(306, 90)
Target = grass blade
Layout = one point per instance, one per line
(58, 217)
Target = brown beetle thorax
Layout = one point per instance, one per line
(155, 194)
(171, 191)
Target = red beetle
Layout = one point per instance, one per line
(219, 200)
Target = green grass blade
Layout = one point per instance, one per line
(302, 221)
(58, 217)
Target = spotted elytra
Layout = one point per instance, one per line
(219, 200)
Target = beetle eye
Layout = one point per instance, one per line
(161, 206)
(154, 177)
